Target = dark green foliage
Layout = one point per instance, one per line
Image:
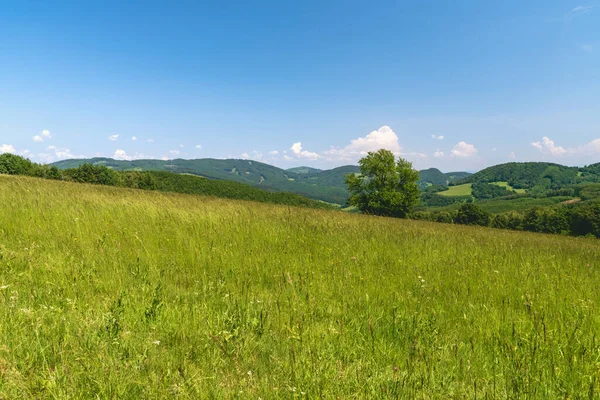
(470, 214)
(435, 200)
(16, 165)
(482, 191)
(94, 174)
(547, 220)
(385, 186)
(585, 220)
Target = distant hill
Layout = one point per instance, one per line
(434, 176)
(535, 176)
(325, 185)
(304, 170)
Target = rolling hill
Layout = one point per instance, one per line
(324, 185)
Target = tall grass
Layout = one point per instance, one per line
(116, 293)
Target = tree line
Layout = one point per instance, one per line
(573, 220)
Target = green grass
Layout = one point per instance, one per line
(118, 293)
(507, 186)
(459, 190)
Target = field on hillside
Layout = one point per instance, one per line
(118, 293)
(459, 190)
(507, 186)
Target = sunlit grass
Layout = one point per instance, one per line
(508, 187)
(115, 293)
(458, 190)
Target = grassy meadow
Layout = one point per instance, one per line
(458, 190)
(119, 293)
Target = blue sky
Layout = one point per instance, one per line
(457, 85)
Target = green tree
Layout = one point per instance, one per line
(384, 186)
(471, 214)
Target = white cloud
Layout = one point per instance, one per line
(512, 155)
(57, 153)
(198, 146)
(273, 152)
(181, 146)
(7, 148)
(245, 155)
(150, 140)
(383, 138)
(113, 138)
(436, 137)
(297, 150)
(464, 149)
(134, 138)
(586, 47)
(121, 155)
(45, 134)
(546, 145)
(174, 152)
(438, 154)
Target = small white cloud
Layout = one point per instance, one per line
(273, 152)
(287, 158)
(113, 138)
(134, 138)
(181, 146)
(546, 145)
(436, 137)
(245, 155)
(121, 155)
(586, 47)
(174, 152)
(45, 134)
(512, 155)
(494, 149)
(150, 140)
(7, 148)
(198, 146)
(438, 154)
(297, 150)
(464, 149)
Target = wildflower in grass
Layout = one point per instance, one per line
(156, 342)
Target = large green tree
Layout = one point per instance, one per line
(385, 186)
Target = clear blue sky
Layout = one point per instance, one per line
(452, 84)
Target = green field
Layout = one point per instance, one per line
(507, 186)
(459, 190)
(119, 293)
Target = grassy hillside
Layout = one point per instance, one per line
(119, 293)
(325, 185)
(459, 190)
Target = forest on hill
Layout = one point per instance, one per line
(325, 185)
